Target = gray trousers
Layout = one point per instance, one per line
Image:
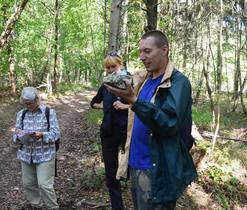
(141, 192)
(38, 181)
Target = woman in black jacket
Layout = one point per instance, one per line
(113, 129)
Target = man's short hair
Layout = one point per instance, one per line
(160, 37)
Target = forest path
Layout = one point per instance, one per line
(76, 156)
(70, 112)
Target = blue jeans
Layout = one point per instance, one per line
(141, 192)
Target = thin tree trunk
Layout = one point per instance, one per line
(48, 64)
(199, 86)
(219, 76)
(10, 24)
(12, 72)
(152, 14)
(105, 26)
(125, 32)
(244, 19)
(206, 75)
(56, 46)
(209, 91)
(115, 25)
(11, 58)
(241, 94)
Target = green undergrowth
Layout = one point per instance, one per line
(69, 88)
(224, 176)
(94, 116)
(92, 179)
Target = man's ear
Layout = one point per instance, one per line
(165, 49)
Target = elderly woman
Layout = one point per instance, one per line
(37, 151)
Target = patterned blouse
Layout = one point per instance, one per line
(43, 149)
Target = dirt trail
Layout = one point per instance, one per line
(70, 110)
(76, 145)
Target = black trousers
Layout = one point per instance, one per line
(110, 147)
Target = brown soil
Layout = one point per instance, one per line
(75, 150)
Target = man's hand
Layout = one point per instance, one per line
(128, 94)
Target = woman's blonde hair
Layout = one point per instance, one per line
(113, 58)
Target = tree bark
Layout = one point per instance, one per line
(115, 25)
(56, 46)
(12, 72)
(241, 94)
(10, 24)
(219, 76)
(11, 58)
(152, 14)
(237, 71)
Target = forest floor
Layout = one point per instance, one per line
(77, 156)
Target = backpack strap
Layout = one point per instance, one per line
(22, 124)
(22, 117)
(47, 115)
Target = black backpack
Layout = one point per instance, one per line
(47, 115)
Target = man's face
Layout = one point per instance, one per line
(31, 105)
(152, 56)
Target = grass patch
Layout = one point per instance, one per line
(92, 179)
(223, 186)
(201, 116)
(94, 116)
(222, 176)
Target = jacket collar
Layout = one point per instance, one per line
(166, 80)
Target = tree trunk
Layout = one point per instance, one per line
(12, 73)
(209, 91)
(125, 33)
(152, 14)
(237, 71)
(219, 76)
(10, 24)
(206, 74)
(244, 7)
(56, 46)
(11, 58)
(199, 86)
(115, 25)
(105, 27)
(241, 94)
(47, 66)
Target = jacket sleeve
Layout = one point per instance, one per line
(98, 97)
(54, 133)
(165, 118)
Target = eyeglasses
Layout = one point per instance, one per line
(29, 103)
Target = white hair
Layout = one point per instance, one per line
(30, 94)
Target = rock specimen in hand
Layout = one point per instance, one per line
(117, 80)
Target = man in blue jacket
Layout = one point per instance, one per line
(155, 152)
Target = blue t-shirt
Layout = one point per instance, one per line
(139, 151)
